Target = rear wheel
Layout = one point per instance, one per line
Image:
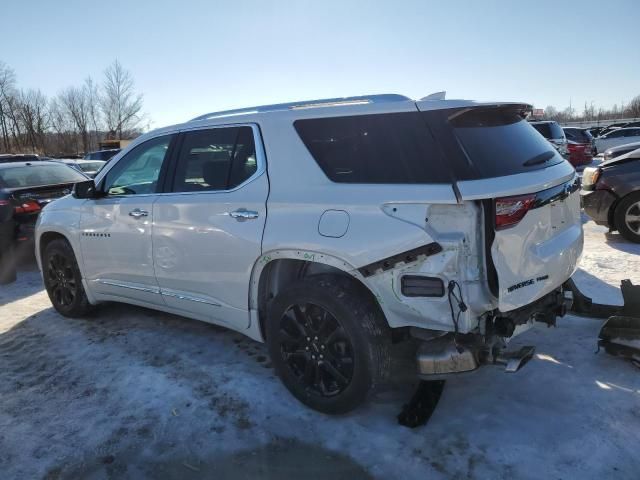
(329, 343)
(63, 280)
(627, 217)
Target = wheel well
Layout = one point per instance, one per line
(46, 238)
(278, 274)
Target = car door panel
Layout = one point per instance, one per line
(116, 228)
(207, 241)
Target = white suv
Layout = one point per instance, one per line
(338, 231)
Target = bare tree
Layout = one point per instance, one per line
(33, 113)
(9, 122)
(121, 105)
(92, 97)
(633, 110)
(65, 138)
(74, 101)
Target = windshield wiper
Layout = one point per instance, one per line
(538, 159)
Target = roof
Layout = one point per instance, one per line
(28, 164)
(303, 104)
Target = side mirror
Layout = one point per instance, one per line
(85, 189)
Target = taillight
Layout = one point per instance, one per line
(510, 210)
(28, 207)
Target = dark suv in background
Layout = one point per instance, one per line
(554, 134)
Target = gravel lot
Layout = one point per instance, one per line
(132, 393)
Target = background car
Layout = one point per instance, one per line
(611, 194)
(88, 167)
(25, 188)
(580, 144)
(554, 133)
(613, 152)
(102, 154)
(620, 136)
(19, 157)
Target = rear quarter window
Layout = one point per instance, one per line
(380, 148)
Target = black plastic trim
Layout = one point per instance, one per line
(421, 286)
(406, 257)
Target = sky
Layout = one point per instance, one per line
(191, 57)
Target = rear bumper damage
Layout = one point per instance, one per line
(452, 354)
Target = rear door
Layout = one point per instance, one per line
(533, 232)
(208, 224)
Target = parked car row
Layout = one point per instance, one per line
(25, 188)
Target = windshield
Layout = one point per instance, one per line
(37, 175)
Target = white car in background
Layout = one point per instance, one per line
(88, 167)
(340, 232)
(621, 136)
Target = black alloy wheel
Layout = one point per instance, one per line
(61, 280)
(316, 349)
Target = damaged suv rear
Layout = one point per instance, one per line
(358, 228)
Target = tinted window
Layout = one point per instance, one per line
(550, 130)
(216, 159)
(632, 133)
(385, 148)
(36, 175)
(497, 142)
(578, 135)
(138, 171)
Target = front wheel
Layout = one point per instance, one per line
(63, 280)
(329, 343)
(627, 217)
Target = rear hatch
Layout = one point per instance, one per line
(529, 193)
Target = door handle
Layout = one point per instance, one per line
(241, 215)
(137, 213)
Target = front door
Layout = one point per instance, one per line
(208, 229)
(115, 230)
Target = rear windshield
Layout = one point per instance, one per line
(550, 130)
(484, 142)
(383, 148)
(37, 175)
(578, 135)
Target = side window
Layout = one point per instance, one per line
(216, 159)
(615, 134)
(138, 171)
(382, 148)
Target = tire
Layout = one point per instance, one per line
(63, 280)
(8, 273)
(329, 343)
(628, 207)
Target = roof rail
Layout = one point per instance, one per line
(327, 102)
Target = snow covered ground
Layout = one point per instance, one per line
(132, 393)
